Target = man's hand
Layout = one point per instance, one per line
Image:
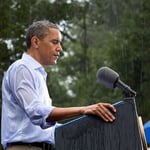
(102, 110)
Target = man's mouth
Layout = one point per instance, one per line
(56, 56)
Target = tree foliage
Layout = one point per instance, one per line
(130, 45)
(95, 34)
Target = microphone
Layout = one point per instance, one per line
(110, 79)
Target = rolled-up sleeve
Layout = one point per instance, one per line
(30, 90)
(38, 114)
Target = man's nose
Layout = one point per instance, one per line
(59, 48)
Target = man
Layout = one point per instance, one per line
(28, 117)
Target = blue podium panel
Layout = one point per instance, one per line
(92, 133)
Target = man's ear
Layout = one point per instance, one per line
(35, 42)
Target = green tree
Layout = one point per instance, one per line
(83, 57)
(129, 52)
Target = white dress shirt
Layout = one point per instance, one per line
(26, 104)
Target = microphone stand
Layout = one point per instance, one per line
(127, 91)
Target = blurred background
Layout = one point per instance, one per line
(95, 33)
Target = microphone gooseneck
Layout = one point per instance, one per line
(110, 79)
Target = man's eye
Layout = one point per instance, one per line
(55, 41)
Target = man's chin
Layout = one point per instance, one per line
(54, 62)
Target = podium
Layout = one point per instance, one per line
(92, 133)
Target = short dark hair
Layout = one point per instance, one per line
(39, 29)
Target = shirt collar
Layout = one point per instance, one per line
(33, 63)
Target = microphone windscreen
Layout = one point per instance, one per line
(107, 77)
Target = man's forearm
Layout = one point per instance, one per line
(59, 114)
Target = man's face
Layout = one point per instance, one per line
(49, 48)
